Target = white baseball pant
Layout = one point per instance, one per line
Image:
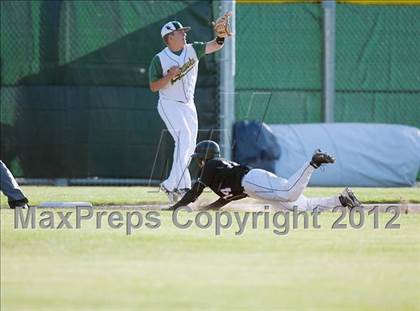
(263, 185)
(182, 123)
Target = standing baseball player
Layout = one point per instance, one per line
(173, 72)
(231, 181)
(11, 189)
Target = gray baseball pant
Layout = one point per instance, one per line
(10, 187)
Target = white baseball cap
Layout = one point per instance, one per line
(171, 27)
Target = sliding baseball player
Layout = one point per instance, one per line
(231, 181)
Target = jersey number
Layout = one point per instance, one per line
(228, 165)
(227, 193)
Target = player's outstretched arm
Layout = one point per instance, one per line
(222, 30)
(222, 202)
(190, 196)
(214, 46)
(217, 204)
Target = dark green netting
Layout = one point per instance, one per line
(378, 64)
(75, 100)
(74, 96)
(279, 51)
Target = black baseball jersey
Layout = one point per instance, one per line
(223, 177)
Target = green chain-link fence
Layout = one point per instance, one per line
(278, 60)
(280, 57)
(74, 75)
(75, 97)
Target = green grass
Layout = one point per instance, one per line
(169, 268)
(150, 195)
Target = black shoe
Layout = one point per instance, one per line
(19, 203)
(320, 157)
(347, 198)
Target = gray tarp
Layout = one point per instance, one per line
(366, 154)
(255, 145)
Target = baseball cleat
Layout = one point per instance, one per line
(320, 158)
(19, 204)
(347, 198)
(172, 195)
(182, 192)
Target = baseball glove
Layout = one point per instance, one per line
(222, 26)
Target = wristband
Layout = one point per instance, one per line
(220, 40)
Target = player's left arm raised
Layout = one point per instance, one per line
(222, 29)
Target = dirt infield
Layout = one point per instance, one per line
(255, 206)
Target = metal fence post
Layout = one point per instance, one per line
(227, 84)
(328, 99)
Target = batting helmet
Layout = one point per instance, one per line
(206, 150)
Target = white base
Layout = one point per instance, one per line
(65, 204)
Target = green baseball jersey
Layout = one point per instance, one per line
(155, 68)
